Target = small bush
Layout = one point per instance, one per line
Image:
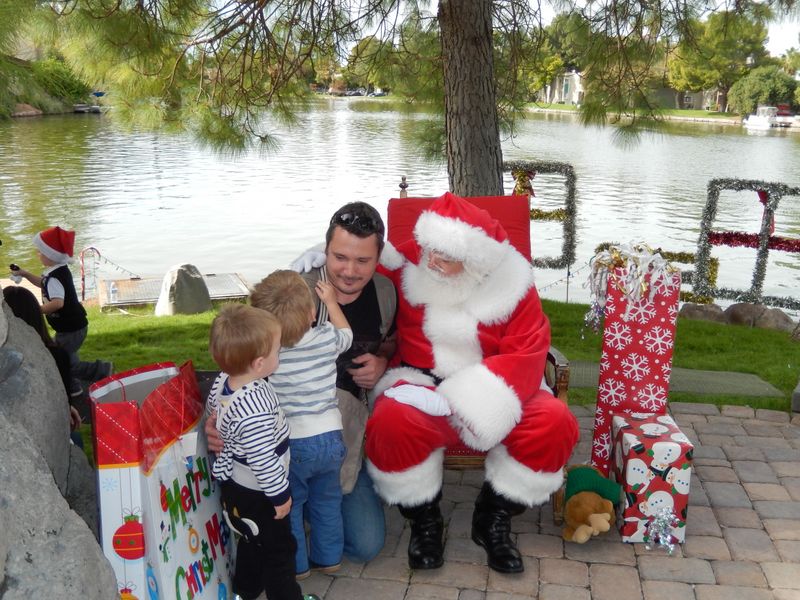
(59, 81)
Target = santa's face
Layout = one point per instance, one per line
(351, 262)
(443, 264)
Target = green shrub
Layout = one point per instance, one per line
(59, 81)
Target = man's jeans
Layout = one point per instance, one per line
(364, 521)
(317, 496)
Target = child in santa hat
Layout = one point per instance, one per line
(60, 304)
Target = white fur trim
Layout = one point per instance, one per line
(453, 334)
(459, 240)
(391, 258)
(51, 253)
(517, 482)
(392, 376)
(411, 487)
(485, 409)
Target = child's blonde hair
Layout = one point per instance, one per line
(240, 334)
(287, 296)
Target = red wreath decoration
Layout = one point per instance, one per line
(750, 240)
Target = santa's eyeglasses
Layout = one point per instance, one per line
(356, 222)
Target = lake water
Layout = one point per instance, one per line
(148, 201)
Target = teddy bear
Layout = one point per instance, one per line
(589, 500)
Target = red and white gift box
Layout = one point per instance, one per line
(653, 463)
(636, 359)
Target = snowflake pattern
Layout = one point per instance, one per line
(604, 361)
(672, 312)
(658, 340)
(601, 446)
(618, 335)
(664, 286)
(652, 398)
(109, 484)
(666, 371)
(636, 366)
(610, 308)
(612, 392)
(642, 312)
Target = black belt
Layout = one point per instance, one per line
(428, 372)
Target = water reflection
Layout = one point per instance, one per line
(150, 200)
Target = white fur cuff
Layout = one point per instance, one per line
(412, 487)
(517, 482)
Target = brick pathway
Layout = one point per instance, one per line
(742, 543)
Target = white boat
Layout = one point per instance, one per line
(766, 117)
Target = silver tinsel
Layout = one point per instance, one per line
(659, 530)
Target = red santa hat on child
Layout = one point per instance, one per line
(55, 243)
(462, 231)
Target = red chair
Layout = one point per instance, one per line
(513, 212)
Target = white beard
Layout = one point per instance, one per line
(434, 287)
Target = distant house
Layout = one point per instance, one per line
(668, 97)
(566, 88)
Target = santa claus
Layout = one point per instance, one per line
(472, 347)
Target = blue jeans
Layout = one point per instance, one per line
(364, 523)
(317, 496)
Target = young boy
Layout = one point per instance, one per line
(60, 304)
(305, 383)
(253, 465)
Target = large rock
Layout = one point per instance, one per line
(758, 315)
(775, 318)
(183, 292)
(743, 313)
(49, 550)
(81, 493)
(702, 312)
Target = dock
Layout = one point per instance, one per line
(124, 293)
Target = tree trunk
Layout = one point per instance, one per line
(474, 156)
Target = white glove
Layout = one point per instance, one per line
(426, 400)
(310, 259)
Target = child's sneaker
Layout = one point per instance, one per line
(303, 575)
(326, 569)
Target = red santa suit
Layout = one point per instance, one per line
(480, 340)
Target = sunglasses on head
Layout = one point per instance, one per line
(362, 223)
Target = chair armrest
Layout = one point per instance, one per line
(557, 373)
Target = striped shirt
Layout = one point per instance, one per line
(305, 380)
(255, 437)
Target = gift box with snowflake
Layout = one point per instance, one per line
(652, 460)
(635, 293)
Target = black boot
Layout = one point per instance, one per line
(491, 528)
(425, 548)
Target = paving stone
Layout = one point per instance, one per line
(796, 419)
(751, 471)
(738, 517)
(614, 582)
(710, 462)
(349, 569)
(346, 588)
(725, 474)
(525, 583)
(452, 476)
(432, 592)
(746, 574)
(709, 452)
(715, 439)
(727, 494)
(454, 574)
(752, 441)
(690, 408)
(740, 412)
(724, 419)
(782, 529)
(774, 416)
(472, 595)
(394, 568)
(792, 485)
(599, 551)
(789, 551)
(464, 550)
(458, 493)
(549, 591)
(563, 572)
(671, 568)
(786, 469)
(507, 596)
(740, 453)
(460, 524)
(786, 594)
(697, 494)
(688, 420)
(726, 592)
(580, 410)
(473, 477)
(763, 429)
(641, 549)
(766, 491)
(768, 509)
(781, 454)
(540, 546)
(701, 520)
(750, 544)
(781, 575)
(667, 590)
(732, 428)
(707, 547)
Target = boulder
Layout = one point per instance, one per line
(743, 313)
(775, 318)
(183, 292)
(81, 493)
(702, 312)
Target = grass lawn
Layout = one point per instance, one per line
(667, 112)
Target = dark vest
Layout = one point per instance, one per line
(71, 316)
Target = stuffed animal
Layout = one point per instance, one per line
(589, 500)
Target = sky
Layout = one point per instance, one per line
(782, 37)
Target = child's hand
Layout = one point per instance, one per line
(283, 510)
(326, 292)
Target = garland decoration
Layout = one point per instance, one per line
(642, 272)
(769, 194)
(523, 172)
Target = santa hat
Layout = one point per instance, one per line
(55, 243)
(462, 231)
